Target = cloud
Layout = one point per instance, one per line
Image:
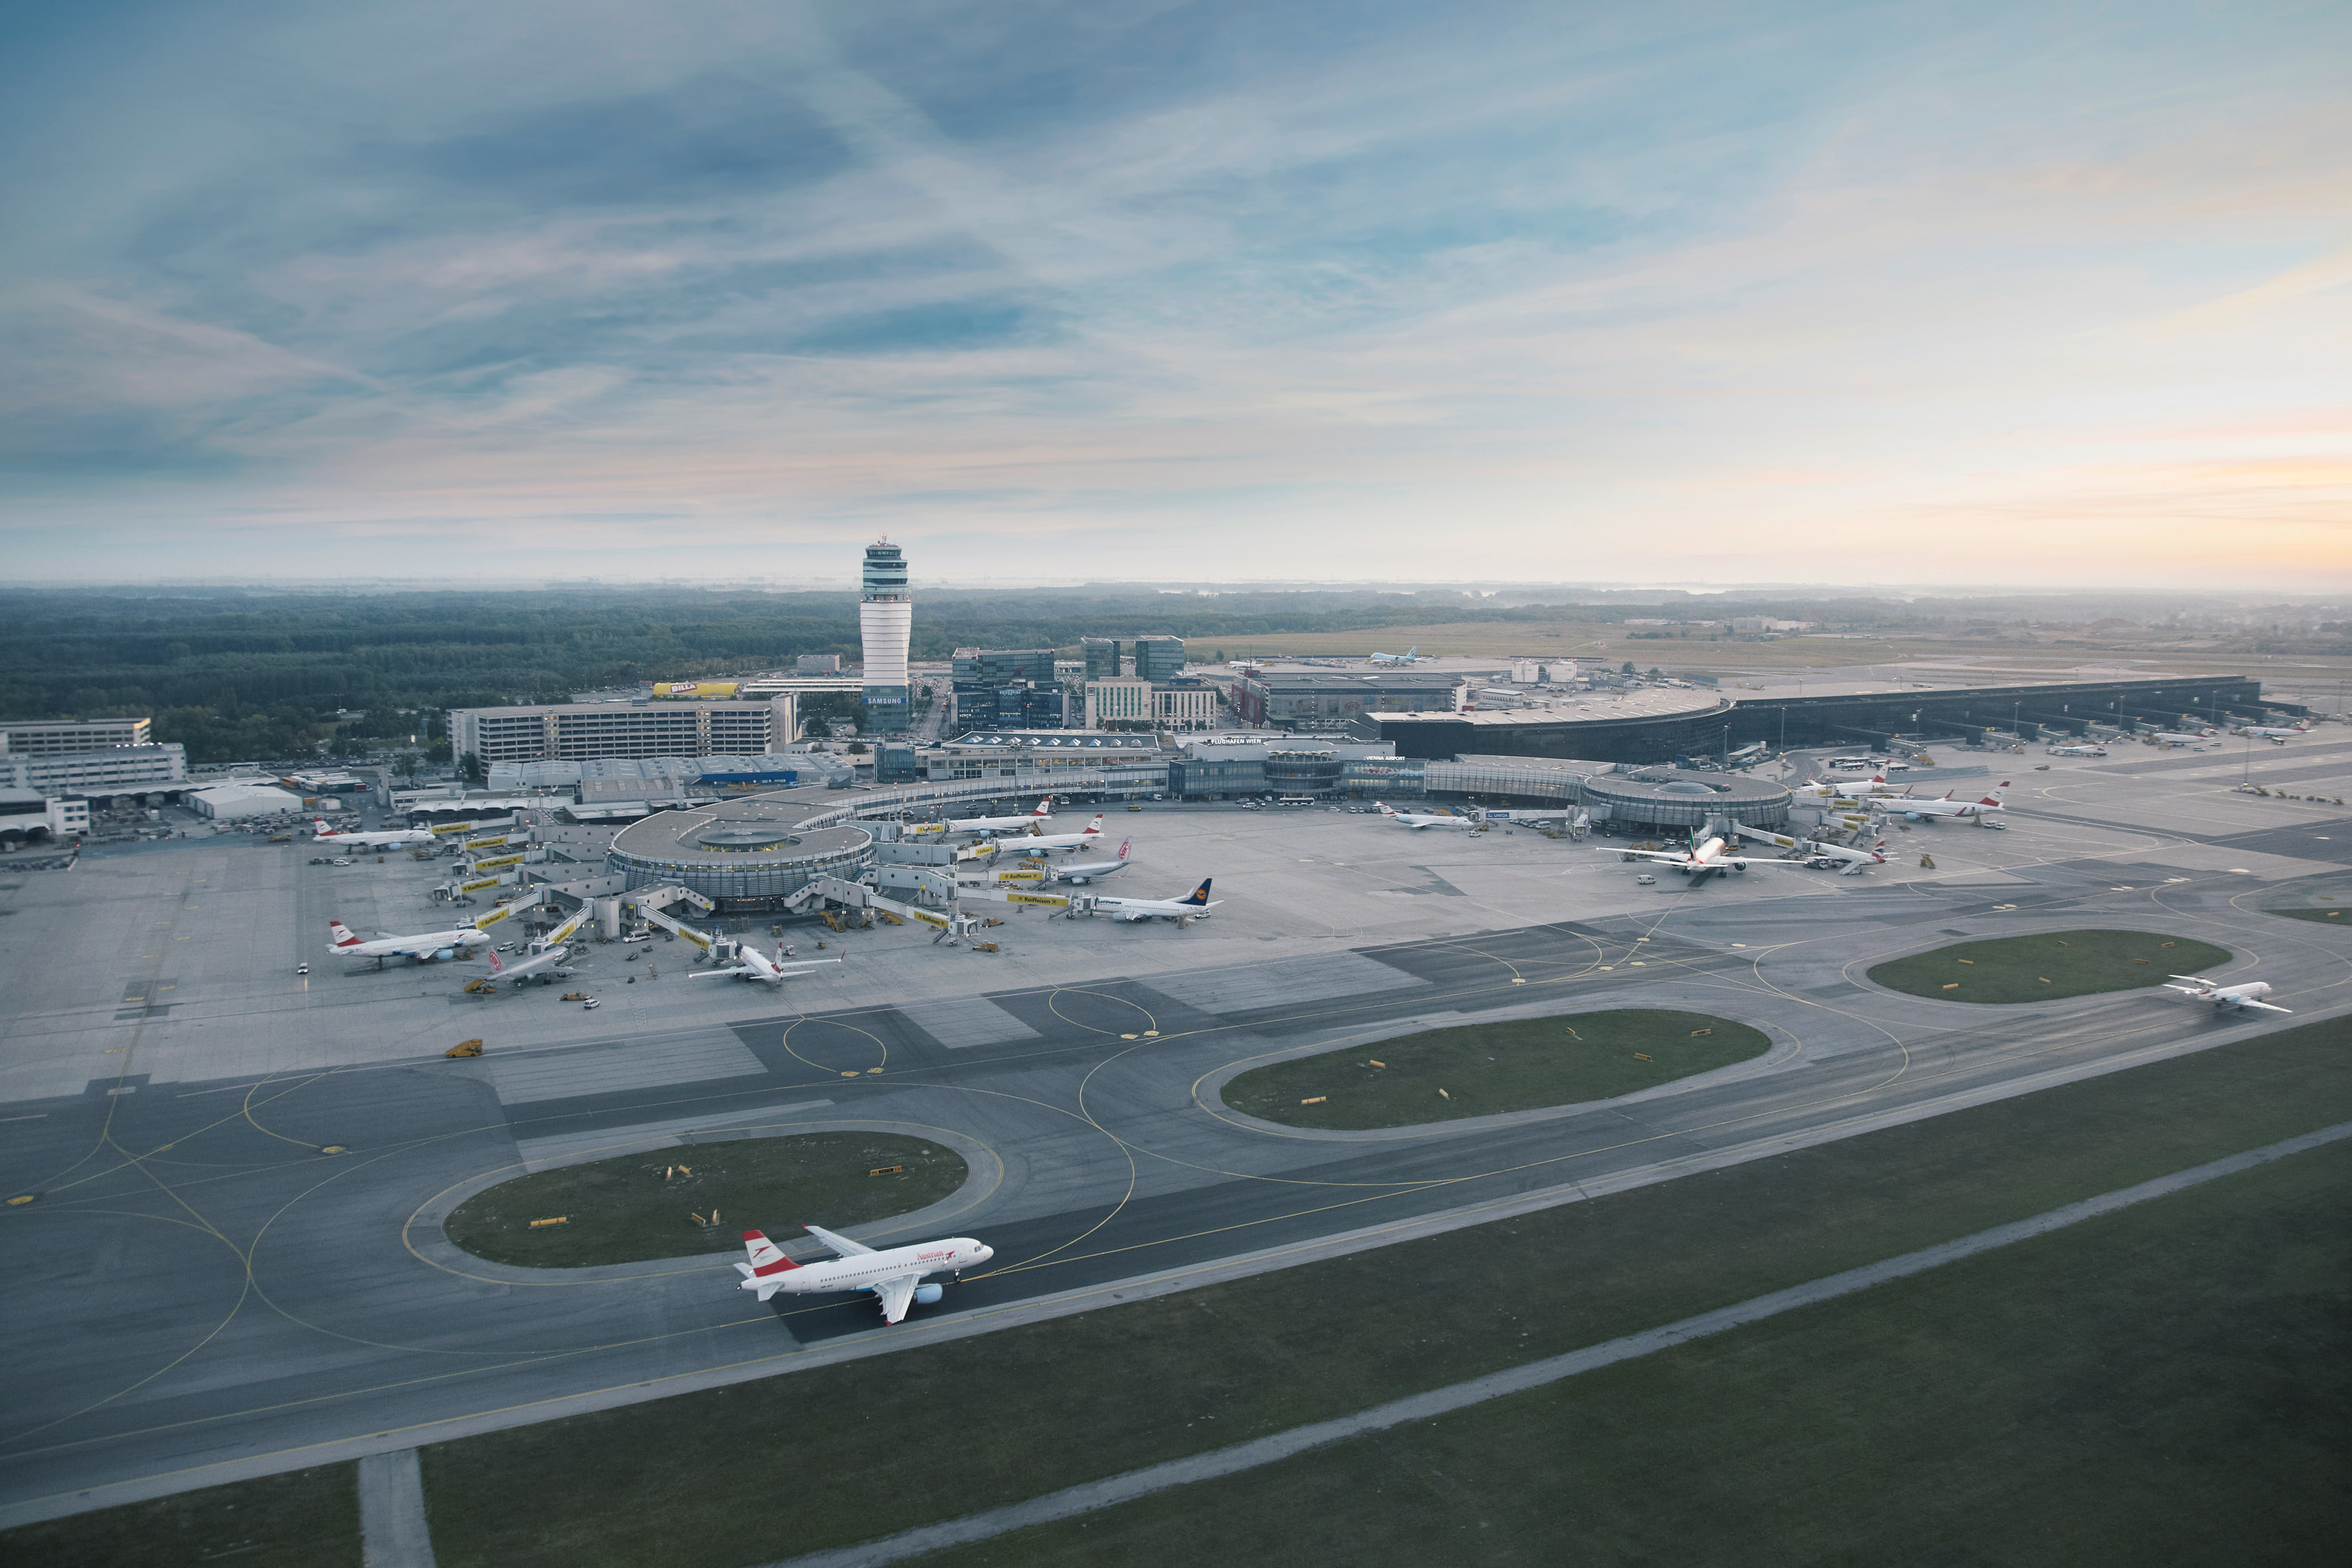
(1299, 291)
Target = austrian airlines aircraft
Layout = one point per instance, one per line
(1920, 810)
(2078, 750)
(2249, 994)
(385, 839)
(1025, 843)
(423, 949)
(1418, 821)
(1713, 854)
(756, 966)
(895, 1275)
(1851, 862)
(2275, 736)
(1002, 824)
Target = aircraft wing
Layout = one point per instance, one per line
(707, 973)
(896, 1295)
(2264, 1006)
(843, 1246)
(1662, 857)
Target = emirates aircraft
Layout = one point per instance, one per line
(423, 949)
(1417, 821)
(1913, 810)
(750, 964)
(2249, 994)
(895, 1275)
(385, 839)
(1031, 842)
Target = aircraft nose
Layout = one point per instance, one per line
(983, 1254)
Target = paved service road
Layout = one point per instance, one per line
(198, 1283)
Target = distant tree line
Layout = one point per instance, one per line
(237, 673)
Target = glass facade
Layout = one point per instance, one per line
(1307, 773)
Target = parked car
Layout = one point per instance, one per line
(342, 860)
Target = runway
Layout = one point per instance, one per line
(198, 1285)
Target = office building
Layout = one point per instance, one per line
(1124, 699)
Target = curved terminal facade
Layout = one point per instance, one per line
(747, 855)
(1670, 797)
(886, 618)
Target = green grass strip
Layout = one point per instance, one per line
(635, 1207)
(2338, 916)
(1479, 1070)
(302, 1518)
(2164, 1384)
(2043, 968)
(873, 1445)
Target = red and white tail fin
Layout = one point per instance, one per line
(1995, 797)
(1044, 807)
(767, 1258)
(496, 967)
(342, 933)
(1124, 844)
(1095, 826)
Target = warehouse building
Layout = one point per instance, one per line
(241, 802)
(28, 816)
(577, 731)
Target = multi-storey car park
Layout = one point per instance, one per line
(575, 732)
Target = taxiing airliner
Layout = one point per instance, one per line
(895, 1275)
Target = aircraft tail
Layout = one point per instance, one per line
(1199, 897)
(342, 933)
(496, 967)
(1999, 793)
(1044, 807)
(1124, 846)
(1385, 810)
(768, 1261)
(1095, 826)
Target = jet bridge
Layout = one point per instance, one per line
(951, 924)
(651, 902)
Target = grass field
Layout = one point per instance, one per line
(702, 1480)
(2043, 968)
(1482, 1069)
(625, 1210)
(2168, 1384)
(304, 1519)
(2338, 916)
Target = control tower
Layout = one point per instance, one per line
(885, 617)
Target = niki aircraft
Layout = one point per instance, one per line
(1088, 871)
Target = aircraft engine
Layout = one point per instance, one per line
(1739, 865)
(929, 1295)
(446, 953)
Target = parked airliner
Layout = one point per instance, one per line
(424, 948)
(1419, 820)
(380, 840)
(1031, 842)
(1194, 906)
(1084, 872)
(750, 964)
(1921, 810)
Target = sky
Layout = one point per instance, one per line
(2031, 294)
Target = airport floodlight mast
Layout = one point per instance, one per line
(885, 621)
